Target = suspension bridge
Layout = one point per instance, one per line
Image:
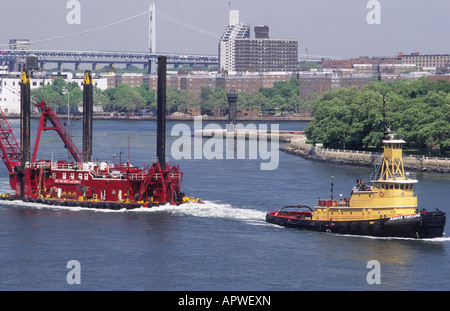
(95, 58)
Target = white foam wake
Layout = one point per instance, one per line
(441, 239)
(215, 210)
(205, 210)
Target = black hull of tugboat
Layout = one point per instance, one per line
(423, 225)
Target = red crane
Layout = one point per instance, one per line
(47, 114)
(10, 150)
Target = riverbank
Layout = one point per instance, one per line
(298, 146)
(174, 118)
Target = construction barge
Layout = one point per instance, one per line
(82, 182)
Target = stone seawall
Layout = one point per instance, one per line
(298, 146)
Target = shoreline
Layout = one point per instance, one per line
(299, 147)
(172, 118)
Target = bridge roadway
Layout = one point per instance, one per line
(95, 57)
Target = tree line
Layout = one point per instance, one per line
(418, 111)
(283, 98)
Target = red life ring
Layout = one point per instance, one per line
(381, 194)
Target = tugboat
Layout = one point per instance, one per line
(83, 182)
(384, 207)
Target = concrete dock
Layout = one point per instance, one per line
(283, 136)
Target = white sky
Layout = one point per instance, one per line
(325, 27)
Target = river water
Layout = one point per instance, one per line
(224, 244)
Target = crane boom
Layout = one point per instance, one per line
(9, 148)
(47, 114)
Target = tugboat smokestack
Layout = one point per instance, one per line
(88, 108)
(161, 112)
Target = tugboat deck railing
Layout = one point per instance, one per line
(396, 177)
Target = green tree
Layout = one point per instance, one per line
(215, 100)
(419, 111)
(149, 96)
(58, 93)
(188, 101)
(100, 98)
(257, 101)
(244, 101)
(127, 98)
(177, 100)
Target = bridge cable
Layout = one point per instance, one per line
(86, 31)
(187, 25)
(177, 21)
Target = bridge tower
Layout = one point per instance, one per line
(152, 29)
(152, 37)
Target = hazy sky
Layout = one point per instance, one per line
(325, 27)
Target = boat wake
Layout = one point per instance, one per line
(441, 239)
(208, 209)
(211, 209)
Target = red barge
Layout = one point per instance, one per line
(83, 182)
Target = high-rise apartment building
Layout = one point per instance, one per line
(240, 53)
(235, 30)
(263, 54)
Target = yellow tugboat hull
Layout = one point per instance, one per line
(358, 213)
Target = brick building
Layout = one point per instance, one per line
(249, 82)
(414, 59)
(349, 63)
(423, 61)
(131, 79)
(320, 82)
(374, 69)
